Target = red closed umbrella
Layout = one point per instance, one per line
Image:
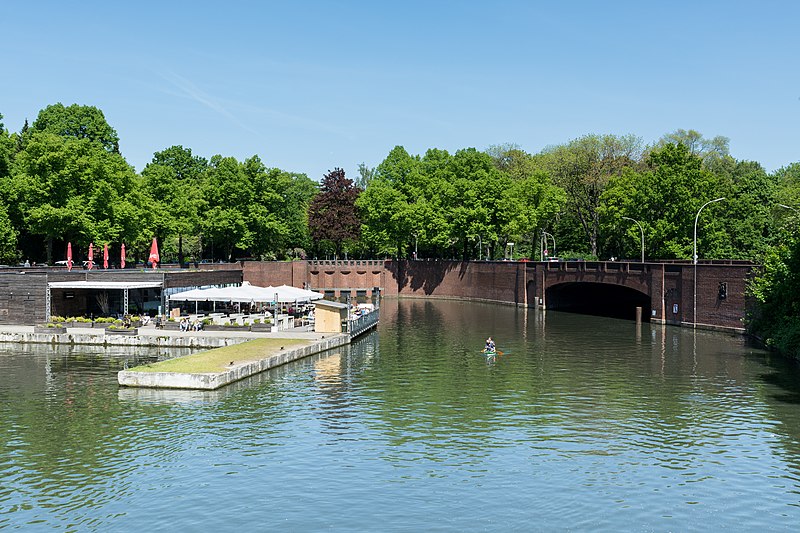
(122, 256)
(154, 257)
(69, 256)
(91, 255)
(105, 256)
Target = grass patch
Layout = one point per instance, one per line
(218, 359)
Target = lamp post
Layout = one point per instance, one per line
(694, 256)
(511, 252)
(554, 241)
(694, 259)
(415, 246)
(640, 229)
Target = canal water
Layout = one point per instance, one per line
(581, 424)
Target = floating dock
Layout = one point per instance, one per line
(215, 380)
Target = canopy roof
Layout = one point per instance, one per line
(83, 284)
(248, 293)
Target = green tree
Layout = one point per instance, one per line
(228, 194)
(385, 205)
(8, 238)
(174, 181)
(332, 216)
(583, 168)
(79, 121)
(708, 150)
(65, 188)
(6, 150)
(365, 175)
(666, 198)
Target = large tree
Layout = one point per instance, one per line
(708, 150)
(174, 180)
(72, 189)
(665, 200)
(332, 216)
(78, 121)
(583, 168)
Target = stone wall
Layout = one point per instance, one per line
(670, 286)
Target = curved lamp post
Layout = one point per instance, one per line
(694, 256)
(640, 229)
(545, 235)
(694, 259)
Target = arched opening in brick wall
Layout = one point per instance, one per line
(600, 299)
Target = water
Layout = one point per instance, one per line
(583, 424)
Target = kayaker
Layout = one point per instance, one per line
(490, 346)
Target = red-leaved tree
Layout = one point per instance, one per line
(332, 215)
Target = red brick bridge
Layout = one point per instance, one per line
(710, 294)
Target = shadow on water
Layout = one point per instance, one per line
(782, 375)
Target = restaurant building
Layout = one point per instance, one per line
(30, 295)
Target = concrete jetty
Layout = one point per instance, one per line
(236, 372)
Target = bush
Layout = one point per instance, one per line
(55, 318)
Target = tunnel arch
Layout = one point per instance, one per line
(600, 299)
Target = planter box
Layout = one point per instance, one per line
(128, 331)
(50, 331)
(215, 327)
(81, 325)
(264, 328)
(171, 325)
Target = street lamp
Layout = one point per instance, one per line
(545, 235)
(511, 254)
(640, 229)
(415, 246)
(694, 258)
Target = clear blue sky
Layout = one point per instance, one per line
(309, 86)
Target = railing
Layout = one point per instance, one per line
(357, 326)
(349, 262)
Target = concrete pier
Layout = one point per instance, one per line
(211, 381)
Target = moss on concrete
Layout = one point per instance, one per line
(220, 359)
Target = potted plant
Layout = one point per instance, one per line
(118, 329)
(58, 320)
(81, 322)
(104, 321)
(50, 328)
(259, 325)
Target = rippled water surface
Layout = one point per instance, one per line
(582, 424)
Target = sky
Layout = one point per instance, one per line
(310, 86)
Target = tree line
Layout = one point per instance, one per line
(64, 179)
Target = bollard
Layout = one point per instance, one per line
(638, 316)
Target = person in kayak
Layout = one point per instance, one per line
(490, 346)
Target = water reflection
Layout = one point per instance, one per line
(583, 423)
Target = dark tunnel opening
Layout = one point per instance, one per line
(599, 299)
